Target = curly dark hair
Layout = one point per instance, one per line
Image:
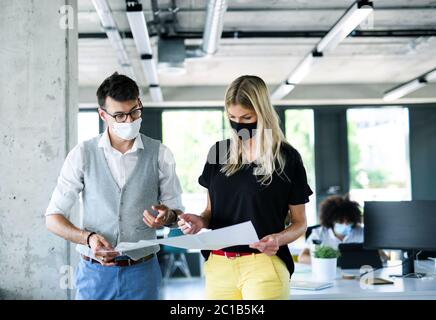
(338, 209)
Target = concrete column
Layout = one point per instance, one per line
(38, 112)
(331, 153)
(422, 124)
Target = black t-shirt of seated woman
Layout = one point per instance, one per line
(241, 197)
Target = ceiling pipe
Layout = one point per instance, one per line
(213, 30)
(214, 26)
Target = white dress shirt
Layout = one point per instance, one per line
(70, 182)
(328, 237)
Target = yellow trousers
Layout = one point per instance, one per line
(253, 277)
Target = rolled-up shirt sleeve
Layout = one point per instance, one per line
(170, 190)
(69, 183)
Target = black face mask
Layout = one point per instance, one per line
(245, 131)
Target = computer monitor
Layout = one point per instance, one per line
(404, 225)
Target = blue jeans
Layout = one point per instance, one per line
(137, 282)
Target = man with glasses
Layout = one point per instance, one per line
(124, 177)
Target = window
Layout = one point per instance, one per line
(300, 134)
(378, 154)
(189, 135)
(87, 124)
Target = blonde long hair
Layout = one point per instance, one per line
(251, 92)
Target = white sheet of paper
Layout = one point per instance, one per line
(128, 246)
(186, 241)
(239, 234)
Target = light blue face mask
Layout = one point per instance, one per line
(342, 229)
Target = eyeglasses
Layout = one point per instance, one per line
(121, 117)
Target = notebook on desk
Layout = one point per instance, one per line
(310, 285)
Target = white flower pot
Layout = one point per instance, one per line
(324, 269)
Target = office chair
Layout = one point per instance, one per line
(175, 258)
(309, 230)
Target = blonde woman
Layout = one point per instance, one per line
(255, 175)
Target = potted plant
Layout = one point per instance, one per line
(324, 262)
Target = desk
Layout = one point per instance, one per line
(402, 289)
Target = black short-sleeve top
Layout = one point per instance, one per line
(241, 197)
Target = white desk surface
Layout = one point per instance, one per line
(403, 288)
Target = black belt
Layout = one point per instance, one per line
(122, 263)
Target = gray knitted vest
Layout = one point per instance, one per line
(117, 213)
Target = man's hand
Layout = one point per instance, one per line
(165, 216)
(268, 245)
(191, 223)
(98, 244)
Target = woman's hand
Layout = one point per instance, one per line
(191, 223)
(268, 245)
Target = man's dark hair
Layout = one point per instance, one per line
(119, 87)
(337, 209)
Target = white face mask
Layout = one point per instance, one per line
(127, 131)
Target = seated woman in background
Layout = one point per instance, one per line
(340, 220)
